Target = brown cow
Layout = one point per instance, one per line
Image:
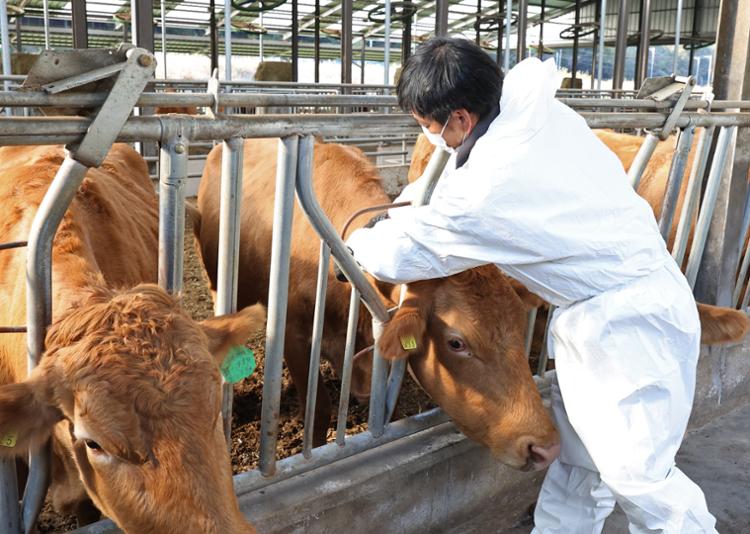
(127, 387)
(490, 395)
(719, 325)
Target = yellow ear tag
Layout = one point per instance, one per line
(8, 440)
(408, 342)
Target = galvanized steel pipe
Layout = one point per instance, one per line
(55, 203)
(692, 194)
(232, 156)
(346, 372)
(726, 134)
(278, 299)
(172, 176)
(674, 181)
(317, 340)
(641, 159)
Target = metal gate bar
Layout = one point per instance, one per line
(227, 268)
(692, 194)
(278, 297)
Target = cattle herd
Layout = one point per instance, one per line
(129, 388)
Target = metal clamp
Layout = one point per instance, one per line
(212, 88)
(665, 88)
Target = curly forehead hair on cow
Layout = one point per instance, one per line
(140, 330)
(446, 74)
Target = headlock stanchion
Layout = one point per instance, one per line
(294, 172)
(137, 67)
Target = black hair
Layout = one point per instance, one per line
(446, 74)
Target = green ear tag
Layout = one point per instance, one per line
(238, 364)
(8, 440)
(408, 342)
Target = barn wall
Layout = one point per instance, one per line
(438, 481)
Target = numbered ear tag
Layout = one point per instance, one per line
(8, 440)
(408, 342)
(238, 364)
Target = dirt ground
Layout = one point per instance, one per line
(198, 303)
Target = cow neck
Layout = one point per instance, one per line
(74, 269)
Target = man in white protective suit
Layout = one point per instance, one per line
(530, 188)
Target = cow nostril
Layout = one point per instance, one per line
(541, 456)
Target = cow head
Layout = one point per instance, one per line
(133, 380)
(464, 337)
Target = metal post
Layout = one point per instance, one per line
(10, 516)
(574, 66)
(697, 23)
(260, 39)
(602, 30)
(278, 295)
(406, 41)
(476, 22)
(316, 44)
(213, 36)
(386, 46)
(80, 29)
(142, 18)
(295, 41)
(228, 39)
(508, 16)
(172, 175)
(677, 29)
(674, 181)
(523, 7)
(19, 37)
(441, 18)
(163, 9)
(594, 44)
(229, 250)
(376, 415)
(713, 183)
(692, 194)
(5, 44)
(641, 66)
(55, 203)
(499, 50)
(530, 323)
(362, 56)
(346, 40)
(540, 51)
(45, 12)
(317, 339)
(346, 372)
(621, 44)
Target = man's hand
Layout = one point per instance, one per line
(340, 276)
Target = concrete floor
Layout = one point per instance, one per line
(717, 457)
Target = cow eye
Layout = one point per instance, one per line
(93, 445)
(456, 344)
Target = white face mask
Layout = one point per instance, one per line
(437, 139)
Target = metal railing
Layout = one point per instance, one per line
(294, 173)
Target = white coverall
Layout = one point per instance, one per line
(542, 198)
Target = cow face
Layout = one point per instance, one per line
(132, 380)
(464, 336)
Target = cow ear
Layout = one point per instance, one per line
(405, 333)
(529, 299)
(27, 414)
(722, 326)
(227, 331)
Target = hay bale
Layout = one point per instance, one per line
(274, 71)
(567, 83)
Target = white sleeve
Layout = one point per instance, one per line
(463, 227)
